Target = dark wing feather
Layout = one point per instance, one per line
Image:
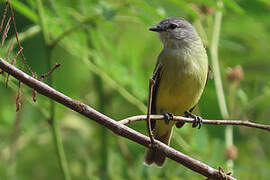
(156, 78)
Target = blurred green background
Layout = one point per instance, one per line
(107, 55)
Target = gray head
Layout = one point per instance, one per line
(175, 31)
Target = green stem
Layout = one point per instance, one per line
(215, 64)
(52, 121)
(103, 100)
(104, 153)
(218, 81)
(42, 24)
(55, 127)
(104, 132)
(59, 145)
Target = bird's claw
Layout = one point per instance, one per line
(167, 117)
(197, 119)
(197, 122)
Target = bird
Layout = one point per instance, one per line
(180, 75)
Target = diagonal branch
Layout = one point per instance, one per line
(113, 125)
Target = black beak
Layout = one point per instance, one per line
(156, 28)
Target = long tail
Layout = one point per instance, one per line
(154, 155)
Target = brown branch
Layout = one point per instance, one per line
(111, 124)
(204, 121)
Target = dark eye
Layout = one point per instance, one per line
(172, 26)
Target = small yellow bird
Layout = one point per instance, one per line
(180, 77)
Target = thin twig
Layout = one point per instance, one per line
(57, 65)
(114, 126)
(10, 48)
(16, 56)
(149, 128)
(4, 15)
(18, 98)
(34, 92)
(17, 38)
(4, 36)
(2, 22)
(13, 62)
(204, 121)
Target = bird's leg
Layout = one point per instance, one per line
(197, 119)
(167, 117)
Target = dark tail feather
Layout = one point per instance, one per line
(149, 156)
(154, 155)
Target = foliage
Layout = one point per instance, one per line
(107, 55)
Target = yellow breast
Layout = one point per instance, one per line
(182, 81)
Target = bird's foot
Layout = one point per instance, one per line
(197, 119)
(167, 117)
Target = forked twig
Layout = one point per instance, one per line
(34, 92)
